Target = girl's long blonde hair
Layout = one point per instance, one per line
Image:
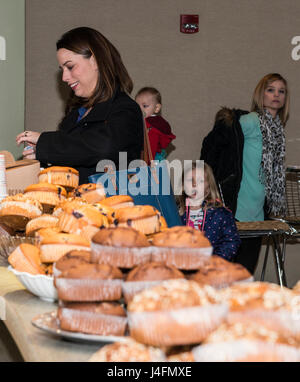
(212, 197)
(258, 96)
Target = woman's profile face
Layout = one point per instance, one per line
(274, 97)
(80, 73)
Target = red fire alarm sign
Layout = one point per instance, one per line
(189, 23)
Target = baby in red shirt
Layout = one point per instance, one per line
(159, 130)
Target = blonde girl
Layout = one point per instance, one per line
(201, 208)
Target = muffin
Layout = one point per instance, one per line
(240, 342)
(67, 177)
(118, 201)
(17, 210)
(54, 245)
(49, 195)
(89, 282)
(43, 221)
(128, 351)
(220, 273)
(100, 318)
(45, 232)
(83, 220)
(176, 312)
(70, 260)
(147, 275)
(90, 192)
(145, 219)
(267, 304)
(184, 247)
(122, 247)
(26, 258)
(67, 203)
(108, 212)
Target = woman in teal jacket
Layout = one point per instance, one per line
(258, 182)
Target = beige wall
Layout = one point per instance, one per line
(12, 74)
(239, 41)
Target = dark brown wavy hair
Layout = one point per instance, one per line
(111, 70)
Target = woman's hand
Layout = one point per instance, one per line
(30, 137)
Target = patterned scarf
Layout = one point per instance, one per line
(272, 173)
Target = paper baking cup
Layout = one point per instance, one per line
(176, 327)
(88, 289)
(282, 321)
(245, 351)
(68, 180)
(39, 285)
(182, 258)
(53, 252)
(121, 257)
(91, 322)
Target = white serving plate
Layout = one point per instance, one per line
(48, 322)
(39, 285)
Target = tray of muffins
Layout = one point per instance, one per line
(120, 275)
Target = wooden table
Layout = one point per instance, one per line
(35, 345)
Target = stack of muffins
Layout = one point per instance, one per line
(120, 270)
(185, 321)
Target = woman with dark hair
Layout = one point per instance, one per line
(247, 152)
(101, 119)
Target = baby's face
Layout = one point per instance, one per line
(148, 104)
(195, 186)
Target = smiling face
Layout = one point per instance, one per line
(274, 97)
(79, 72)
(148, 104)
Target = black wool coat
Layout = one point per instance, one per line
(109, 128)
(222, 150)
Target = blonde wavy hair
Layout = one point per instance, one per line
(212, 197)
(258, 96)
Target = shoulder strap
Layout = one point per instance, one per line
(146, 154)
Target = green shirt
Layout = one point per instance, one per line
(251, 196)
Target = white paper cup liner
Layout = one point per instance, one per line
(121, 257)
(182, 258)
(91, 322)
(88, 289)
(245, 351)
(176, 327)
